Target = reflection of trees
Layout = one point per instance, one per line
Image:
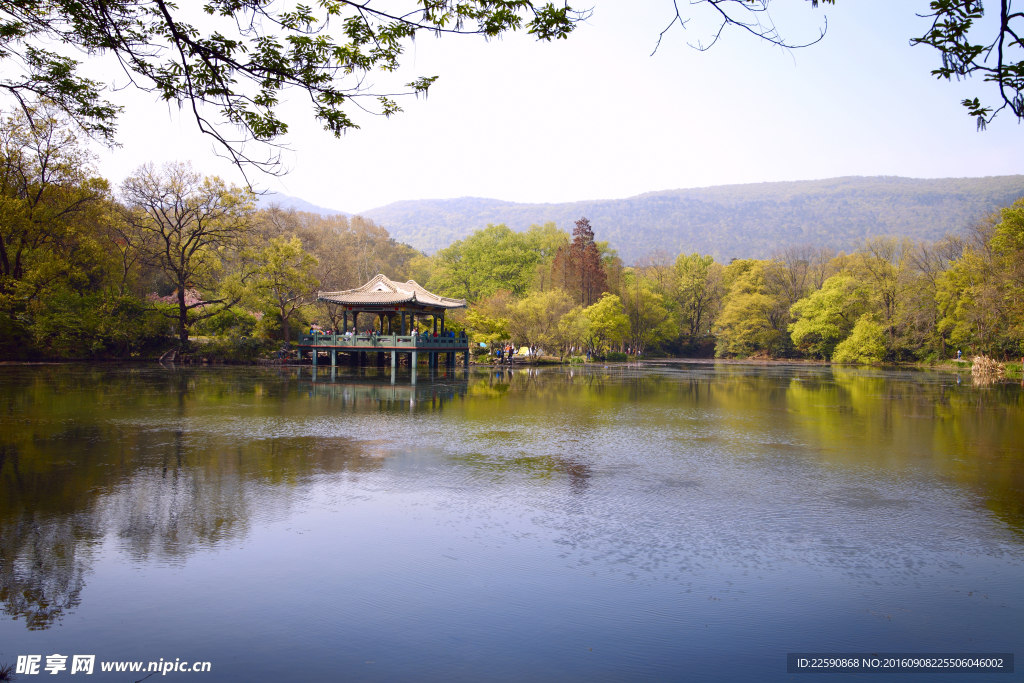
(154, 467)
(846, 418)
(42, 561)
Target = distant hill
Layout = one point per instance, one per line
(728, 220)
(288, 202)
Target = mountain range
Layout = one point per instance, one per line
(751, 220)
(284, 201)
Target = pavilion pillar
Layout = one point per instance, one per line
(394, 358)
(412, 361)
(435, 323)
(403, 324)
(355, 322)
(345, 318)
(442, 323)
(465, 359)
(334, 357)
(316, 353)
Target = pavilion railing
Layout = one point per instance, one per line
(366, 341)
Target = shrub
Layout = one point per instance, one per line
(866, 343)
(237, 349)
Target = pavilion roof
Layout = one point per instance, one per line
(382, 291)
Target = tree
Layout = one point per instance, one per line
(646, 314)
(746, 323)
(236, 57)
(656, 267)
(608, 323)
(883, 263)
(193, 224)
(982, 289)
(488, 321)
(489, 260)
(285, 279)
(925, 312)
(533, 321)
(963, 56)
(577, 267)
(47, 195)
(546, 240)
(573, 330)
(866, 343)
(826, 317)
(698, 291)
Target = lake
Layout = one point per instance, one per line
(669, 522)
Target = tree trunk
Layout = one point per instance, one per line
(182, 319)
(285, 327)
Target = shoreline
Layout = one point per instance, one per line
(1014, 369)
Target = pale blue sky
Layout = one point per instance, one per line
(598, 117)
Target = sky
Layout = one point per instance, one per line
(598, 117)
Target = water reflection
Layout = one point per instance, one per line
(670, 471)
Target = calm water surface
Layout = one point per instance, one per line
(666, 522)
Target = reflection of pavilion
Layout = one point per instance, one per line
(435, 385)
(394, 307)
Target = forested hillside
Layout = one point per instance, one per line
(741, 221)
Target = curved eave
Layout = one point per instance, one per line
(332, 297)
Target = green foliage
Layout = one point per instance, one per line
(489, 260)
(238, 76)
(866, 343)
(1009, 235)
(188, 226)
(284, 279)
(97, 325)
(744, 326)
(533, 321)
(616, 356)
(574, 329)
(827, 316)
(49, 204)
(229, 322)
(983, 291)
(234, 349)
(485, 329)
(647, 315)
(607, 323)
(698, 291)
(954, 32)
